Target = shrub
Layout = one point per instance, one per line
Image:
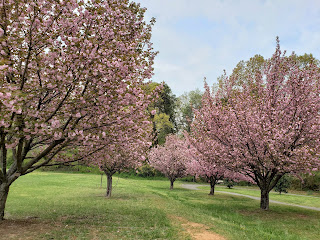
(283, 185)
(306, 182)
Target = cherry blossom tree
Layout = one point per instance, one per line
(117, 157)
(210, 172)
(268, 126)
(127, 150)
(68, 72)
(203, 164)
(170, 159)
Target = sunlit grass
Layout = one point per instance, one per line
(299, 200)
(74, 207)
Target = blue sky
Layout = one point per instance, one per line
(201, 38)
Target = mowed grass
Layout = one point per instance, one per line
(72, 206)
(308, 200)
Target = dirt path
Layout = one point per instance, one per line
(195, 187)
(196, 230)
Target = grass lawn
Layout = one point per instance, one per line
(45, 205)
(311, 201)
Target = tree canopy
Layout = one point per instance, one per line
(266, 126)
(71, 73)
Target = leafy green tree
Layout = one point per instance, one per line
(246, 72)
(163, 125)
(186, 104)
(306, 60)
(228, 182)
(164, 117)
(167, 104)
(282, 185)
(306, 182)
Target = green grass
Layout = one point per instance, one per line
(313, 201)
(73, 206)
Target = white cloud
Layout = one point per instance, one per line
(201, 38)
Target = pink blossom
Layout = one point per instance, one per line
(264, 124)
(62, 106)
(171, 158)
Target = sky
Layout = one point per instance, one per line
(201, 38)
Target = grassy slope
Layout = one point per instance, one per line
(71, 206)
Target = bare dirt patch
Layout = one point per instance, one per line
(197, 231)
(27, 229)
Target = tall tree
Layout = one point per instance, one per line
(164, 117)
(167, 102)
(163, 127)
(171, 158)
(268, 126)
(186, 103)
(68, 70)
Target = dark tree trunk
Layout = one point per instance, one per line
(212, 180)
(212, 184)
(264, 201)
(171, 184)
(266, 182)
(109, 185)
(101, 180)
(4, 190)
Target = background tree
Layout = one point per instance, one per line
(267, 127)
(306, 182)
(67, 70)
(228, 182)
(282, 185)
(164, 119)
(118, 157)
(184, 108)
(210, 172)
(171, 158)
(245, 71)
(167, 104)
(126, 149)
(163, 127)
(210, 167)
(306, 60)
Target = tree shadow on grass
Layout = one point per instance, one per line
(28, 228)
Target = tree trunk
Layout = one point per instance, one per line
(4, 190)
(171, 184)
(264, 202)
(212, 184)
(101, 180)
(109, 185)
